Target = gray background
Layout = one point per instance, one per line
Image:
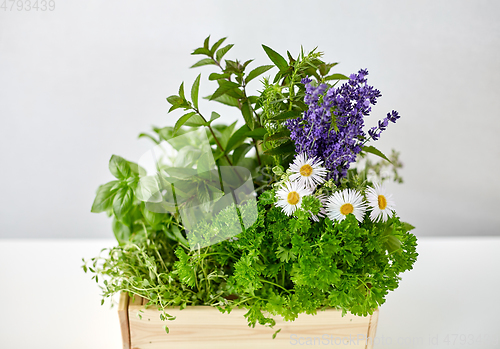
(81, 82)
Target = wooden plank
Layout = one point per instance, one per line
(372, 330)
(136, 300)
(206, 327)
(123, 316)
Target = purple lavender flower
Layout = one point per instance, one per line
(393, 116)
(375, 132)
(332, 128)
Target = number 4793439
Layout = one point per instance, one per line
(28, 5)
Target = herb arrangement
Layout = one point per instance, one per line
(324, 230)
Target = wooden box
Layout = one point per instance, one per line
(205, 327)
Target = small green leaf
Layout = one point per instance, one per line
(292, 114)
(217, 76)
(392, 244)
(275, 333)
(236, 93)
(216, 46)
(204, 61)
(165, 133)
(213, 117)
(247, 112)
(257, 133)
(194, 91)
(253, 99)
(277, 77)
(172, 108)
(148, 189)
(181, 173)
(285, 254)
(104, 198)
(206, 42)
(407, 226)
(233, 67)
(121, 231)
(181, 91)
(136, 169)
(277, 59)
(336, 77)
(201, 51)
(280, 135)
(375, 151)
(333, 122)
(246, 64)
(177, 102)
(237, 138)
(152, 218)
(223, 88)
(256, 72)
(195, 121)
(225, 133)
(122, 203)
(119, 167)
(325, 68)
(285, 148)
(178, 236)
(225, 99)
(240, 152)
(182, 120)
(174, 100)
(145, 135)
(222, 52)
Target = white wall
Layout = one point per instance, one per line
(81, 82)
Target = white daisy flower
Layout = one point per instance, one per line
(308, 172)
(341, 203)
(380, 203)
(290, 196)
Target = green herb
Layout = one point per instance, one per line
(279, 266)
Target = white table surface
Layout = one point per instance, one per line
(453, 291)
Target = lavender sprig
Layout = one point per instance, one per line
(375, 132)
(332, 128)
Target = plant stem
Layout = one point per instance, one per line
(239, 107)
(256, 120)
(215, 138)
(272, 283)
(257, 151)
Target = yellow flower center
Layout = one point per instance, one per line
(345, 209)
(306, 170)
(293, 198)
(382, 202)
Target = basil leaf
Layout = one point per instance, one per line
(104, 198)
(122, 203)
(119, 167)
